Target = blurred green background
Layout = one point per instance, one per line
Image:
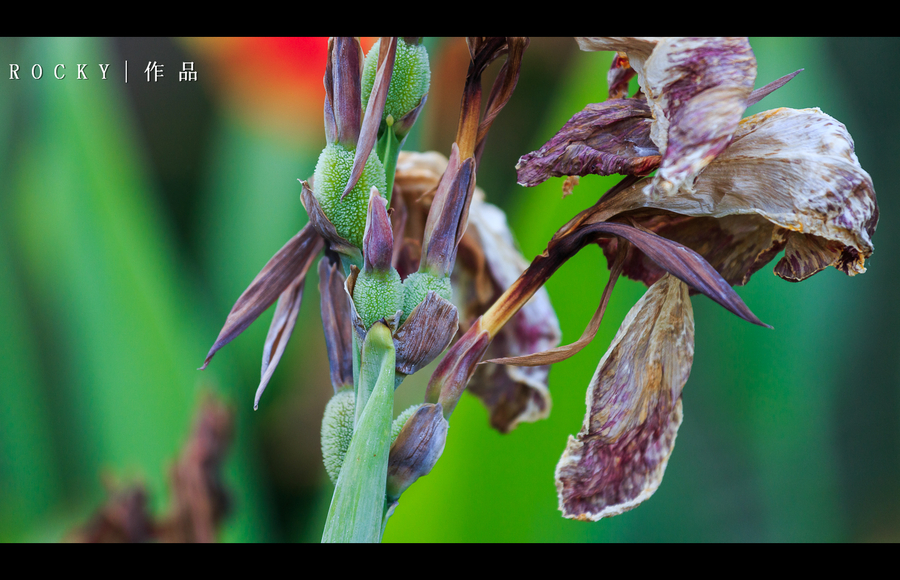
(133, 215)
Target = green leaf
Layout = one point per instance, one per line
(357, 507)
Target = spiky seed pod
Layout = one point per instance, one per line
(416, 287)
(337, 430)
(401, 420)
(377, 295)
(409, 83)
(332, 174)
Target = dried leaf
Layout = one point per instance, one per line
(285, 266)
(634, 409)
(335, 308)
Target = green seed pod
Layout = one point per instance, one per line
(401, 420)
(416, 287)
(409, 82)
(377, 295)
(331, 177)
(337, 430)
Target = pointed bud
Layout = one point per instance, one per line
(448, 216)
(378, 240)
(416, 449)
(450, 378)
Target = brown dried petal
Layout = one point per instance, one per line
(502, 89)
(759, 94)
(425, 334)
(453, 373)
(634, 409)
(604, 138)
(335, 308)
(448, 216)
(284, 267)
(326, 229)
(417, 449)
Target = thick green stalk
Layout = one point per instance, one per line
(357, 507)
(388, 149)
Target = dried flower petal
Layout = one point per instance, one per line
(283, 321)
(416, 449)
(425, 334)
(603, 139)
(795, 169)
(633, 409)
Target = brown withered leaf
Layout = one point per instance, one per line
(633, 409)
(283, 321)
(285, 266)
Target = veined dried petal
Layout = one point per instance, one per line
(425, 334)
(604, 138)
(633, 409)
(620, 72)
(291, 261)
(697, 89)
(448, 215)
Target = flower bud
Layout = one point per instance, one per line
(409, 84)
(378, 291)
(332, 174)
(337, 430)
(416, 449)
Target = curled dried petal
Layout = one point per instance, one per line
(335, 309)
(604, 138)
(417, 448)
(633, 409)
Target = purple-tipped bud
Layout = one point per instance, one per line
(417, 449)
(378, 240)
(448, 216)
(343, 102)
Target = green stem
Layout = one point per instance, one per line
(357, 512)
(388, 149)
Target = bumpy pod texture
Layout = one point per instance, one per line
(337, 430)
(416, 287)
(377, 295)
(331, 176)
(401, 420)
(409, 82)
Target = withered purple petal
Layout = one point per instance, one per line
(291, 261)
(603, 139)
(346, 61)
(633, 409)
